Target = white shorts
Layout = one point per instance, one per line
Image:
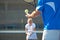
(51, 35)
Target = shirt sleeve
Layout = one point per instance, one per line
(34, 26)
(26, 26)
(40, 5)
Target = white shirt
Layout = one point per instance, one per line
(30, 29)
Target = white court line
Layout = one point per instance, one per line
(18, 31)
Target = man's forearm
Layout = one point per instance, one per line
(35, 13)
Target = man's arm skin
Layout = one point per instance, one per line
(33, 14)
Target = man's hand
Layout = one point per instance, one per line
(28, 15)
(33, 14)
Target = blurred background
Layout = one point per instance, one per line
(12, 18)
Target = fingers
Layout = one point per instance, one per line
(28, 16)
